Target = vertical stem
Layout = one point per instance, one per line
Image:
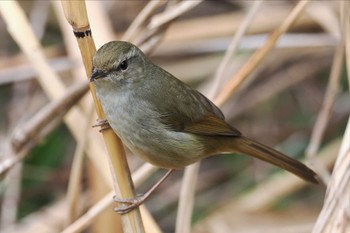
(75, 12)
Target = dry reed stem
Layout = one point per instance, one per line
(103, 33)
(148, 169)
(325, 113)
(187, 193)
(335, 212)
(100, 23)
(192, 29)
(150, 38)
(140, 175)
(76, 15)
(231, 50)
(300, 71)
(140, 20)
(69, 41)
(172, 13)
(85, 220)
(47, 220)
(10, 161)
(50, 82)
(345, 21)
(257, 57)
(75, 178)
(25, 72)
(11, 196)
(47, 78)
(186, 199)
(321, 12)
(33, 128)
(267, 192)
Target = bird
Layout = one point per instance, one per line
(166, 122)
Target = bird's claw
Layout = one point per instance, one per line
(128, 204)
(103, 123)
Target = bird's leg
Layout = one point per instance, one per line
(103, 123)
(128, 204)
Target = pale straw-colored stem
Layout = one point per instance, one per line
(75, 12)
(261, 53)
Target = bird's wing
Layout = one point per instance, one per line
(211, 125)
(207, 119)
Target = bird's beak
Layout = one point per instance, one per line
(97, 74)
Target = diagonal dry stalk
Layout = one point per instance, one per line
(48, 79)
(232, 86)
(186, 199)
(257, 57)
(140, 20)
(232, 48)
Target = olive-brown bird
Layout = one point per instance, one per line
(165, 121)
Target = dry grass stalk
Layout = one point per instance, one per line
(172, 13)
(300, 71)
(50, 82)
(86, 219)
(75, 178)
(279, 185)
(325, 15)
(257, 57)
(56, 109)
(233, 47)
(186, 199)
(140, 175)
(96, 213)
(76, 15)
(141, 18)
(324, 115)
(335, 212)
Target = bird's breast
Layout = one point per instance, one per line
(139, 126)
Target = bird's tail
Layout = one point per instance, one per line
(249, 147)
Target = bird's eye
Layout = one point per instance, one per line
(123, 65)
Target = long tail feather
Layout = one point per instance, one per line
(249, 147)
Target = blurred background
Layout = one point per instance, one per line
(280, 104)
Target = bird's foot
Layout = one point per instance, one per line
(128, 204)
(103, 123)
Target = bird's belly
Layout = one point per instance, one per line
(143, 133)
(162, 148)
(157, 145)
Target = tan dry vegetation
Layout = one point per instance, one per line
(276, 68)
